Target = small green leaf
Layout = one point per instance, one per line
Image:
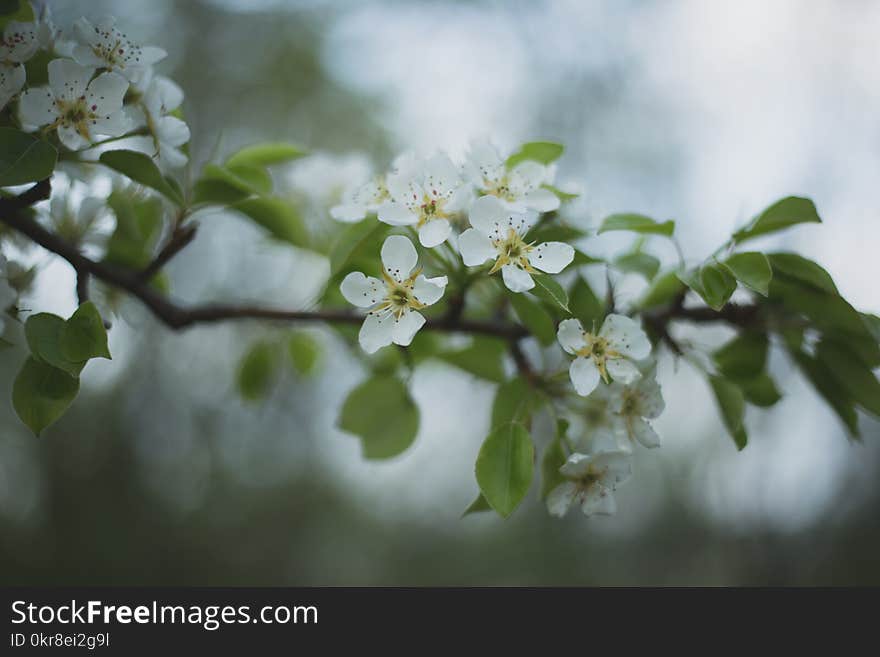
(825, 384)
(483, 358)
(478, 505)
(24, 158)
(217, 192)
(138, 226)
(381, 412)
(16, 10)
(850, 374)
(744, 357)
(258, 371)
(717, 284)
(752, 269)
(43, 332)
(782, 214)
(732, 406)
(304, 352)
(515, 401)
(535, 318)
(549, 290)
(553, 231)
(42, 393)
(84, 335)
(504, 467)
(637, 223)
(664, 289)
(760, 391)
(247, 179)
(266, 154)
(803, 270)
(142, 170)
(585, 305)
(563, 195)
(353, 240)
(638, 263)
(278, 217)
(544, 152)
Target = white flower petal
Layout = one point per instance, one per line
(429, 290)
(405, 328)
(598, 500)
(172, 131)
(475, 247)
(362, 291)
(560, 498)
(526, 177)
(19, 41)
(626, 336)
(113, 125)
(68, 79)
(487, 212)
(150, 55)
(584, 375)
(85, 56)
(71, 138)
(441, 177)
(571, 335)
(348, 212)
(396, 214)
(622, 370)
(484, 165)
(643, 432)
(516, 279)
(105, 93)
(376, 332)
(651, 403)
(551, 257)
(12, 79)
(37, 107)
(577, 466)
(541, 200)
(615, 467)
(399, 257)
(434, 233)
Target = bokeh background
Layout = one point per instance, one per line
(705, 112)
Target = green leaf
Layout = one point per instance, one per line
(304, 352)
(581, 259)
(760, 391)
(84, 335)
(24, 158)
(585, 305)
(824, 383)
(732, 406)
(637, 223)
(717, 285)
(247, 179)
(141, 169)
(381, 412)
(478, 505)
(544, 152)
(752, 269)
(782, 214)
(15, 10)
(553, 231)
(504, 467)
(265, 154)
(42, 393)
(43, 332)
(744, 357)
(802, 270)
(638, 263)
(258, 371)
(138, 226)
(534, 317)
(563, 195)
(664, 289)
(553, 459)
(483, 358)
(850, 374)
(217, 192)
(278, 217)
(829, 312)
(515, 401)
(353, 240)
(550, 291)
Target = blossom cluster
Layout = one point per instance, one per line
(101, 87)
(482, 211)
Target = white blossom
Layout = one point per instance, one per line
(612, 351)
(8, 295)
(426, 195)
(360, 201)
(395, 300)
(590, 482)
(521, 188)
(103, 46)
(79, 221)
(81, 108)
(636, 403)
(18, 46)
(162, 97)
(498, 233)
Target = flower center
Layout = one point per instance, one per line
(499, 187)
(432, 208)
(399, 298)
(113, 55)
(513, 250)
(76, 114)
(600, 351)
